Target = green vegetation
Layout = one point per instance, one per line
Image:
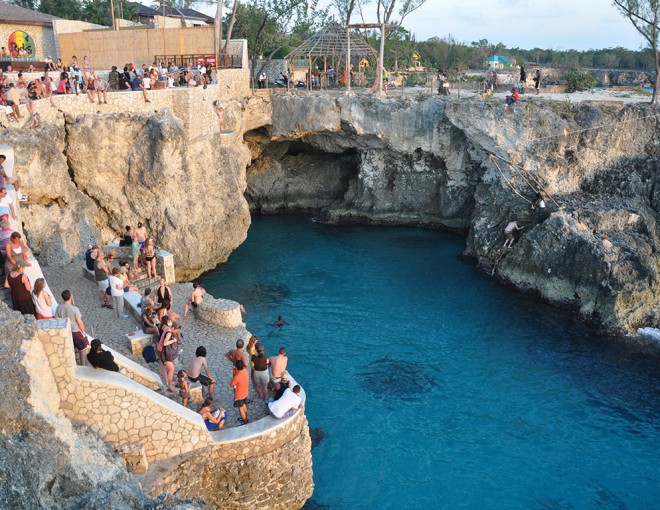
(578, 80)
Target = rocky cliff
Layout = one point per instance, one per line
(427, 163)
(413, 161)
(89, 175)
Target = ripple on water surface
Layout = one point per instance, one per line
(437, 388)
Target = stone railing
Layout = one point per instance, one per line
(119, 409)
(272, 468)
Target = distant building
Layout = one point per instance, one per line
(498, 62)
(27, 32)
(187, 17)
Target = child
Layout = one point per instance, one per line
(184, 387)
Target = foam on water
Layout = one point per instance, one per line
(436, 387)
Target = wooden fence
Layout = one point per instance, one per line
(106, 48)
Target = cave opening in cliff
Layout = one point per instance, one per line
(295, 176)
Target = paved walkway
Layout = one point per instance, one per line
(103, 324)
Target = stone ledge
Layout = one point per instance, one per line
(221, 312)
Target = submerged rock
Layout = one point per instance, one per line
(317, 435)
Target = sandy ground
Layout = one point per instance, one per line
(104, 324)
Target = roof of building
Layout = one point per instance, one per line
(10, 13)
(499, 58)
(332, 40)
(172, 12)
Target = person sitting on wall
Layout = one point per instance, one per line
(287, 404)
(99, 358)
(284, 384)
(215, 419)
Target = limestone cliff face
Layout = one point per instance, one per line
(426, 162)
(89, 176)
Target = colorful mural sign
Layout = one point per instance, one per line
(21, 45)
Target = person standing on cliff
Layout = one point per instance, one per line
(241, 383)
(277, 367)
(523, 80)
(537, 80)
(237, 354)
(539, 205)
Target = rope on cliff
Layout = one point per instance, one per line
(509, 182)
(520, 167)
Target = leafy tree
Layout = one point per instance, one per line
(67, 9)
(27, 4)
(579, 80)
(645, 16)
(267, 25)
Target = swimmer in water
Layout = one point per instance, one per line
(280, 322)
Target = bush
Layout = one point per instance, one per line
(577, 80)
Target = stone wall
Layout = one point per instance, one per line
(44, 38)
(272, 470)
(222, 312)
(194, 106)
(116, 408)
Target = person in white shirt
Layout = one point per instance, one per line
(117, 292)
(288, 403)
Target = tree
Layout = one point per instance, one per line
(645, 16)
(267, 25)
(67, 9)
(27, 4)
(384, 12)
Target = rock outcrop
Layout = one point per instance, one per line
(93, 174)
(427, 163)
(45, 462)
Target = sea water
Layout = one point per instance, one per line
(437, 387)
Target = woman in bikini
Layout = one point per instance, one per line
(150, 259)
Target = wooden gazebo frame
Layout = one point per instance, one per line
(335, 44)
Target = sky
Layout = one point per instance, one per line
(527, 24)
(559, 24)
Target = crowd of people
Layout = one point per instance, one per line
(81, 78)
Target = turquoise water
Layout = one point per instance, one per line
(438, 387)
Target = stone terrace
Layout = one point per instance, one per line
(106, 326)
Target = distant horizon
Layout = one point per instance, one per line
(581, 26)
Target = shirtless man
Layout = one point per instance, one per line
(237, 354)
(140, 233)
(195, 298)
(277, 367)
(195, 370)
